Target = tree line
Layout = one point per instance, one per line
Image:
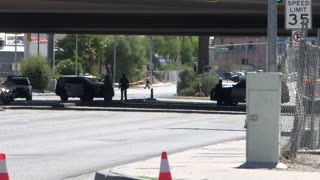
(96, 53)
(96, 57)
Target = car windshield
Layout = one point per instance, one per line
(20, 81)
(92, 79)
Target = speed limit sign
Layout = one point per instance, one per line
(298, 12)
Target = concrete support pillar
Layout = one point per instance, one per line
(50, 52)
(203, 53)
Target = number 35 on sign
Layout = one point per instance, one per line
(297, 13)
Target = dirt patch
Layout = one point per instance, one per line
(303, 163)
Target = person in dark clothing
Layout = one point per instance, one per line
(147, 83)
(218, 92)
(108, 89)
(124, 85)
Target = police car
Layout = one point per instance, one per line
(84, 87)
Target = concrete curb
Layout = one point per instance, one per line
(112, 176)
(71, 108)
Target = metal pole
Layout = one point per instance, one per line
(318, 36)
(38, 44)
(150, 50)
(178, 53)
(151, 61)
(318, 43)
(53, 57)
(245, 53)
(272, 36)
(114, 59)
(76, 54)
(256, 58)
(15, 54)
(26, 45)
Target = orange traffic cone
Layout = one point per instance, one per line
(3, 167)
(164, 168)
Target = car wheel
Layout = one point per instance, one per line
(108, 99)
(29, 97)
(89, 98)
(6, 102)
(83, 98)
(229, 102)
(64, 97)
(219, 102)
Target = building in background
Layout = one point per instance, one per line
(232, 54)
(12, 51)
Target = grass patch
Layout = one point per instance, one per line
(145, 177)
(190, 97)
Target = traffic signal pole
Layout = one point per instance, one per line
(272, 36)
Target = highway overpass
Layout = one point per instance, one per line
(193, 17)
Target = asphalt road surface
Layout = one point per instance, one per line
(137, 92)
(52, 145)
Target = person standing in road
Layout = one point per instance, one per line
(147, 83)
(108, 92)
(218, 92)
(124, 85)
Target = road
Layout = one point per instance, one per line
(138, 92)
(51, 145)
(160, 92)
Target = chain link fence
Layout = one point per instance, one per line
(300, 121)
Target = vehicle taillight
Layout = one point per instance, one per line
(310, 95)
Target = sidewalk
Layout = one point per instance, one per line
(214, 162)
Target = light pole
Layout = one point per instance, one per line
(151, 59)
(256, 59)
(272, 36)
(76, 54)
(38, 44)
(114, 59)
(246, 52)
(15, 54)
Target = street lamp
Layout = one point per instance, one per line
(76, 54)
(114, 59)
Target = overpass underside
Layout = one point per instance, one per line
(183, 17)
(174, 24)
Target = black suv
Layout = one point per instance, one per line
(20, 85)
(84, 87)
(237, 93)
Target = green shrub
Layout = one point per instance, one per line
(67, 67)
(37, 70)
(188, 84)
(173, 66)
(209, 82)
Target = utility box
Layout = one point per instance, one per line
(263, 92)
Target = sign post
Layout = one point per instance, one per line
(297, 13)
(297, 36)
(200, 81)
(272, 36)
